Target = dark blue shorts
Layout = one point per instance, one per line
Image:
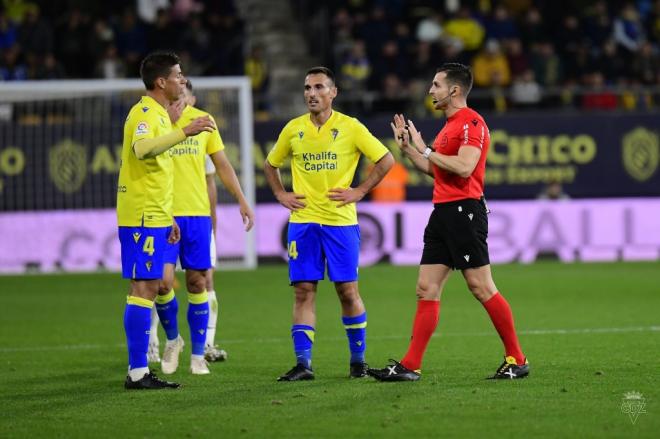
(193, 248)
(313, 246)
(143, 251)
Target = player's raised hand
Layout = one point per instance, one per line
(416, 137)
(198, 125)
(248, 216)
(345, 196)
(175, 234)
(174, 109)
(291, 200)
(399, 130)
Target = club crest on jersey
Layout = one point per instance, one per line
(300, 135)
(334, 132)
(142, 128)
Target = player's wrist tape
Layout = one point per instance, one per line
(427, 152)
(158, 145)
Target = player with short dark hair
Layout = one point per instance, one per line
(192, 212)
(144, 202)
(325, 147)
(455, 237)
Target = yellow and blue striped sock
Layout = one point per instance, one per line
(356, 331)
(168, 309)
(198, 320)
(303, 339)
(137, 320)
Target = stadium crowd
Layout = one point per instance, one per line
(589, 54)
(535, 52)
(77, 39)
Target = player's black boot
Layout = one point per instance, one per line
(359, 370)
(509, 370)
(297, 373)
(149, 382)
(394, 372)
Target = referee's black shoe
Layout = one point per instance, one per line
(298, 373)
(359, 369)
(510, 370)
(394, 372)
(149, 382)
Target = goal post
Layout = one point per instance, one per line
(60, 150)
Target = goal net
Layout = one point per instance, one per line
(60, 151)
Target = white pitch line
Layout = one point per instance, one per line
(83, 347)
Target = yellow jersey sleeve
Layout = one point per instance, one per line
(214, 142)
(368, 145)
(282, 148)
(145, 125)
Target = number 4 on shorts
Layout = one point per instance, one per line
(293, 250)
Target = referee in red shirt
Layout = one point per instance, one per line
(455, 237)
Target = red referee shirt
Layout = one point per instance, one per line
(465, 128)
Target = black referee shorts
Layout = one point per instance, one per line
(456, 235)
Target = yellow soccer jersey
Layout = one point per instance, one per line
(145, 189)
(322, 159)
(190, 194)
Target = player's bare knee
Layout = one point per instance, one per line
(427, 291)
(165, 286)
(304, 293)
(196, 285)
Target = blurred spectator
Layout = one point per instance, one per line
(547, 65)
(72, 42)
(516, 57)
(256, 69)
(110, 66)
(501, 26)
(490, 67)
(646, 66)
(8, 31)
(597, 97)
(525, 91)
(163, 34)
(35, 34)
(197, 39)
(391, 60)
(227, 43)
(425, 60)
(182, 9)
(628, 29)
(11, 67)
(16, 9)
(355, 69)
(51, 68)
(569, 37)
(394, 96)
(147, 10)
(532, 30)
(553, 191)
(598, 24)
(101, 35)
(466, 29)
(374, 31)
(610, 63)
(429, 29)
(131, 41)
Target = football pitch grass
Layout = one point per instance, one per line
(590, 331)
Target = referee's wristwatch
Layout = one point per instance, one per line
(427, 152)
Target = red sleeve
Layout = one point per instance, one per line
(473, 133)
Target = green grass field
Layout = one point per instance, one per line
(591, 332)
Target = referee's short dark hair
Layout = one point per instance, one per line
(458, 74)
(157, 65)
(322, 70)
